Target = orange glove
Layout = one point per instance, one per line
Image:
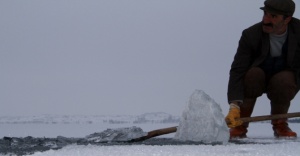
(233, 116)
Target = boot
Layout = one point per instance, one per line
(281, 129)
(246, 110)
(280, 126)
(238, 132)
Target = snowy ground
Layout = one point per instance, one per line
(201, 108)
(260, 143)
(288, 149)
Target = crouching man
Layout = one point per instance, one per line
(267, 61)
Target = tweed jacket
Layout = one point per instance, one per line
(253, 49)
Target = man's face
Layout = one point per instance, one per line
(275, 23)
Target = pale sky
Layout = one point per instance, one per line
(109, 57)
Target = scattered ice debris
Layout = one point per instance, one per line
(202, 120)
(117, 135)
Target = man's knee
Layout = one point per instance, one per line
(254, 82)
(282, 86)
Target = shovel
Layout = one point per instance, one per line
(269, 117)
(163, 131)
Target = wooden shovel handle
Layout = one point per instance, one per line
(155, 133)
(168, 130)
(269, 117)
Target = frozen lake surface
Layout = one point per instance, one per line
(285, 149)
(67, 130)
(260, 142)
(108, 136)
(75, 135)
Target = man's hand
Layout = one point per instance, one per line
(233, 116)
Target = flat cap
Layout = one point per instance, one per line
(282, 7)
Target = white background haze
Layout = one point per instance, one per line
(119, 57)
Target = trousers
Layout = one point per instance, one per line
(280, 88)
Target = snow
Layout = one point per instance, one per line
(200, 109)
(260, 143)
(202, 120)
(283, 149)
(259, 133)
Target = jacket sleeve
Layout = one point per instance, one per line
(296, 59)
(296, 64)
(240, 65)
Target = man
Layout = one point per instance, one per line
(267, 61)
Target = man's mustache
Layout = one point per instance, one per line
(268, 24)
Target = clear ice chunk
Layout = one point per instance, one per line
(202, 121)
